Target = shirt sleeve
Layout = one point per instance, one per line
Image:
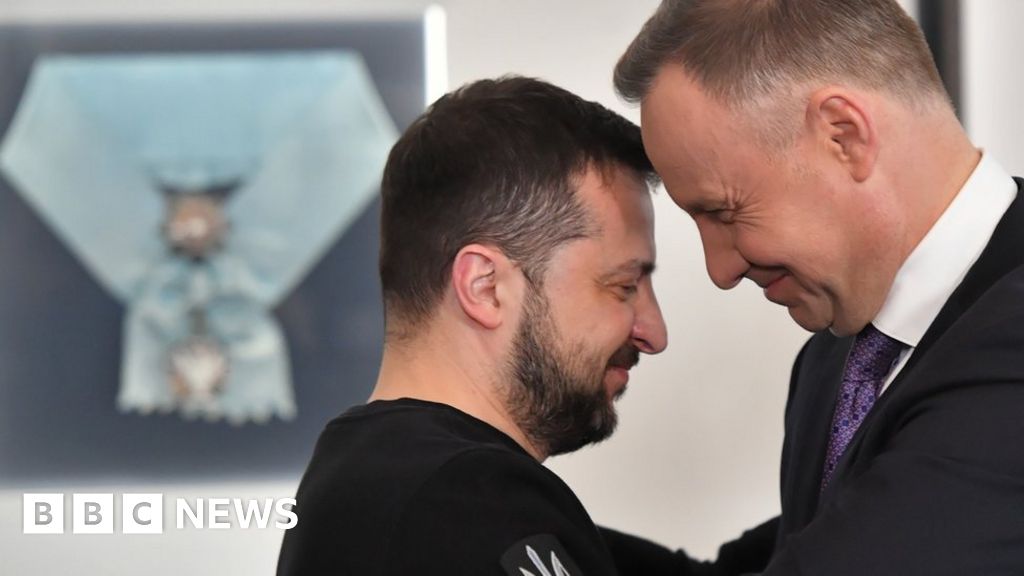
(491, 512)
(747, 554)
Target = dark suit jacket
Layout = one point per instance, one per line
(933, 482)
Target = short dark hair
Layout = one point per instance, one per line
(493, 162)
(743, 50)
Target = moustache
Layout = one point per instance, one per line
(625, 357)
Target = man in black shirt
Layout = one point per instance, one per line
(517, 246)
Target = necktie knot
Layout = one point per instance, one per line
(872, 356)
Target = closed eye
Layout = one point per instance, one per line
(625, 279)
(725, 215)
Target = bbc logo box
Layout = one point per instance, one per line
(92, 513)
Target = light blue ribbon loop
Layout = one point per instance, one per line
(304, 136)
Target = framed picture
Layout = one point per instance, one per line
(64, 333)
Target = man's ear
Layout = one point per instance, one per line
(843, 122)
(480, 282)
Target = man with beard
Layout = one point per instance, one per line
(516, 252)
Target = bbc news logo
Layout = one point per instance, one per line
(144, 513)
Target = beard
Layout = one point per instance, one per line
(558, 397)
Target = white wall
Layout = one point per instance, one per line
(992, 78)
(696, 458)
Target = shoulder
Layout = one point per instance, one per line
(404, 439)
(494, 490)
(488, 511)
(987, 340)
(964, 398)
(506, 482)
(429, 490)
(400, 446)
(371, 464)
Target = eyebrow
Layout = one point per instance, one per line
(634, 266)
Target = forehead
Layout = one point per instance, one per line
(678, 120)
(699, 146)
(618, 203)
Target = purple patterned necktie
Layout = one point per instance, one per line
(871, 359)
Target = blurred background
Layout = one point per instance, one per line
(695, 460)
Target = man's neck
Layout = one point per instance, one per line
(931, 189)
(411, 370)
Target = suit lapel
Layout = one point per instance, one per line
(820, 377)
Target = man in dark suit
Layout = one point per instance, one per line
(814, 146)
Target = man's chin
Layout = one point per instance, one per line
(839, 325)
(619, 393)
(810, 320)
(615, 392)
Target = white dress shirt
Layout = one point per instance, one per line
(941, 260)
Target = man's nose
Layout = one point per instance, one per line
(649, 333)
(726, 266)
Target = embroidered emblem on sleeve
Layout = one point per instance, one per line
(540, 555)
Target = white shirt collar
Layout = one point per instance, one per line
(941, 260)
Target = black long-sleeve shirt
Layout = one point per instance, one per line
(409, 487)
